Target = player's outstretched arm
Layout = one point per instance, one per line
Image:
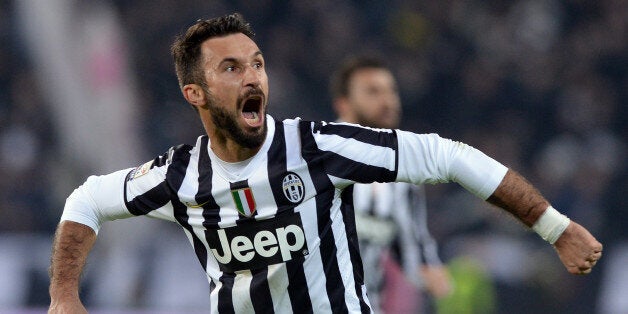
(576, 247)
(72, 244)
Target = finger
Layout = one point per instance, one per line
(594, 258)
(590, 263)
(575, 270)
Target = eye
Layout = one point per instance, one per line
(258, 65)
(373, 91)
(231, 68)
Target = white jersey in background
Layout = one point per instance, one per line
(392, 215)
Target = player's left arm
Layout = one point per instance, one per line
(576, 247)
(428, 158)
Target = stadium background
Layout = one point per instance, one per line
(88, 87)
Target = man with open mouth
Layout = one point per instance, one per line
(267, 205)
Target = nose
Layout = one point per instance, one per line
(252, 76)
(390, 100)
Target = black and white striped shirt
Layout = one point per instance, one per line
(279, 235)
(392, 217)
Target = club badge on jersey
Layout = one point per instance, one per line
(141, 170)
(293, 188)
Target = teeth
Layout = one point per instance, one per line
(254, 115)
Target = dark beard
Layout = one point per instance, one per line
(228, 123)
(363, 120)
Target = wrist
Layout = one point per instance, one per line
(63, 293)
(551, 225)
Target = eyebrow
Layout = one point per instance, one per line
(235, 60)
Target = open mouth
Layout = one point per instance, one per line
(251, 110)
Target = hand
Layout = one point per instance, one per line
(578, 249)
(437, 280)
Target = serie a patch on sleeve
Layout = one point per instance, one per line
(141, 170)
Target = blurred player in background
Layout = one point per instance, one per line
(391, 218)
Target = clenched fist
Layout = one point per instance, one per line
(578, 249)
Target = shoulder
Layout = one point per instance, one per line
(298, 121)
(298, 126)
(294, 123)
(289, 122)
(177, 154)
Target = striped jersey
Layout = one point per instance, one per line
(275, 233)
(392, 217)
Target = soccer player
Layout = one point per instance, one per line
(387, 215)
(266, 204)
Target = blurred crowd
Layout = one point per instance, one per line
(539, 84)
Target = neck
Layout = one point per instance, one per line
(346, 119)
(224, 146)
(228, 150)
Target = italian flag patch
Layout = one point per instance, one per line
(244, 201)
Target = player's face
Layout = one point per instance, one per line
(237, 88)
(374, 99)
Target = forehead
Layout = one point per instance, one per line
(236, 46)
(371, 76)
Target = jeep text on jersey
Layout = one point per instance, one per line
(257, 244)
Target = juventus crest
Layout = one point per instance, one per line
(293, 187)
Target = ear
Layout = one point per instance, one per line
(195, 95)
(341, 107)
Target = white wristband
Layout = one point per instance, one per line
(551, 225)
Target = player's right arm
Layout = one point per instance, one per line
(72, 243)
(99, 199)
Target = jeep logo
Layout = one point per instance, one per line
(257, 244)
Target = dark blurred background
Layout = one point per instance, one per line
(88, 87)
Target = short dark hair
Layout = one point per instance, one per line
(339, 84)
(186, 49)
